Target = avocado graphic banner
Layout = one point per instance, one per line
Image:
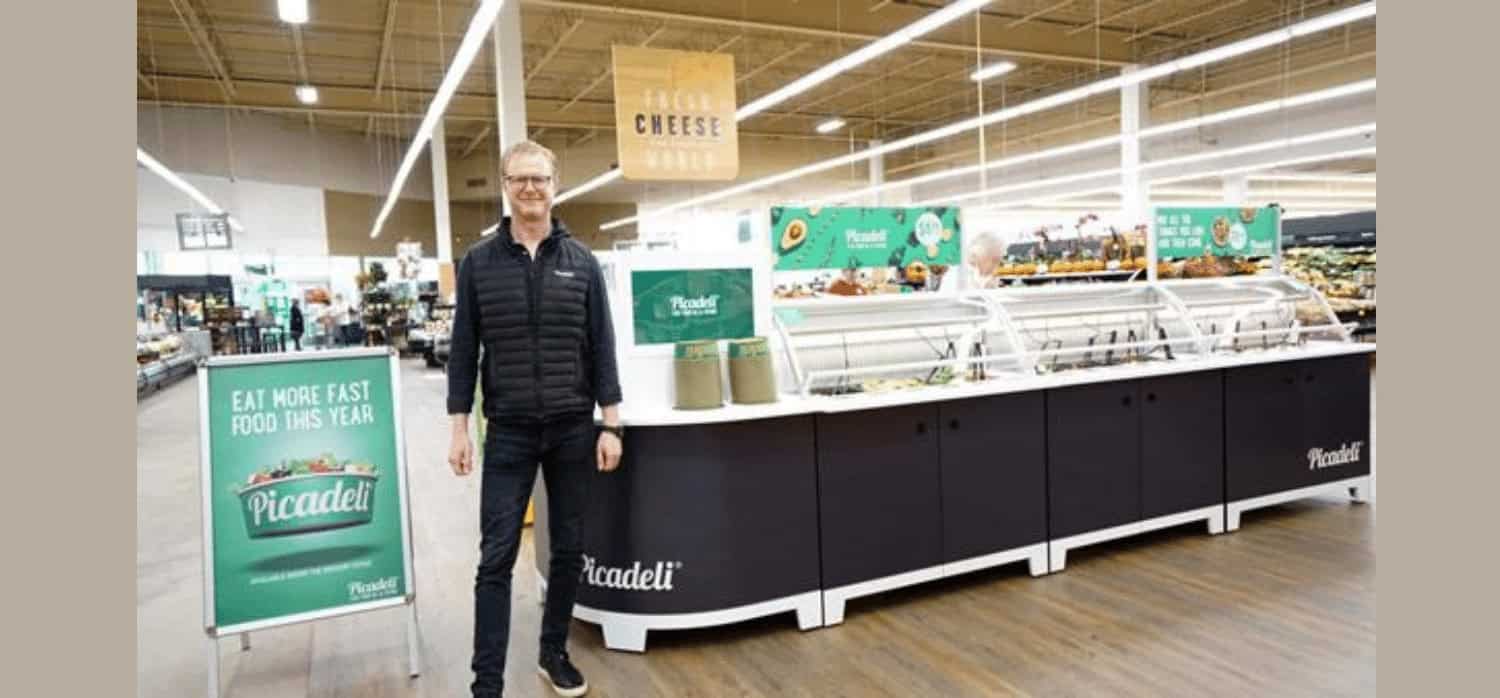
(304, 490)
(842, 237)
(1222, 232)
(687, 304)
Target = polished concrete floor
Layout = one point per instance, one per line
(1284, 607)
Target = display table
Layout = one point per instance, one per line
(724, 515)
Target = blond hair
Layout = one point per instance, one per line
(527, 147)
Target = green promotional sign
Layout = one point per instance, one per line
(1222, 232)
(304, 497)
(841, 237)
(687, 304)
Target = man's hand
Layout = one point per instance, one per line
(607, 452)
(461, 450)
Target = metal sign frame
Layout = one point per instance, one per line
(211, 628)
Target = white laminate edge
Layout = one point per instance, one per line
(1059, 547)
(627, 631)
(789, 405)
(1358, 489)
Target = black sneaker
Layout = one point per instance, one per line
(565, 678)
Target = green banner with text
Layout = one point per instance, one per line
(1222, 232)
(687, 304)
(864, 237)
(304, 490)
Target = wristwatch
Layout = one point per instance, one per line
(617, 430)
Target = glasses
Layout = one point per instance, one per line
(536, 181)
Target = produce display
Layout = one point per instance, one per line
(1345, 275)
(147, 351)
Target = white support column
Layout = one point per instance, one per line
(439, 156)
(1237, 190)
(510, 80)
(877, 170)
(1134, 190)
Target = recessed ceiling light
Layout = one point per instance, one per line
(831, 125)
(307, 94)
(992, 70)
(293, 11)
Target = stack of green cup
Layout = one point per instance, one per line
(699, 379)
(751, 377)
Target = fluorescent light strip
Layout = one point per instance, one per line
(1302, 194)
(1340, 155)
(1266, 107)
(830, 125)
(292, 11)
(1360, 130)
(1022, 186)
(580, 190)
(992, 70)
(1227, 51)
(473, 39)
(824, 74)
(1331, 178)
(1197, 157)
(182, 185)
(864, 55)
(1163, 129)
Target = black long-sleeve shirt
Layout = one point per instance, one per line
(464, 352)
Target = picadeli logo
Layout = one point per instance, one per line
(1318, 458)
(637, 577)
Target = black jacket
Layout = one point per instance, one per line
(297, 322)
(537, 332)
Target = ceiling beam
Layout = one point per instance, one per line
(915, 88)
(1044, 11)
(1276, 17)
(608, 71)
(783, 29)
(383, 58)
(591, 135)
(1217, 7)
(147, 82)
(799, 48)
(727, 44)
(1100, 22)
(474, 142)
(884, 3)
(557, 44)
(467, 118)
(204, 42)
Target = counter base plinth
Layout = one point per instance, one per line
(834, 600)
(626, 632)
(1058, 548)
(1357, 488)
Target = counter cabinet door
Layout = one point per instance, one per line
(1336, 405)
(1182, 443)
(1093, 457)
(1264, 446)
(878, 492)
(994, 474)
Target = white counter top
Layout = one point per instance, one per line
(793, 404)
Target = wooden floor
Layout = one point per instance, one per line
(1283, 607)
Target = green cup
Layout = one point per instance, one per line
(307, 503)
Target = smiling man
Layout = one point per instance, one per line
(533, 320)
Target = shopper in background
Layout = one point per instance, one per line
(533, 316)
(985, 253)
(298, 324)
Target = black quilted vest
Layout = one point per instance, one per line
(533, 326)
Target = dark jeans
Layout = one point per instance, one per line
(565, 450)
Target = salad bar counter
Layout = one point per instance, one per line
(920, 438)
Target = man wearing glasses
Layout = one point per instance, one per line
(532, 326)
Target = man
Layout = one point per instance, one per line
(533, 316)
(298, 324)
